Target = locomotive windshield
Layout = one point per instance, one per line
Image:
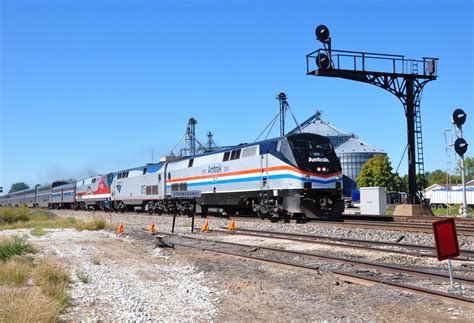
(313, 152)
(309, 144)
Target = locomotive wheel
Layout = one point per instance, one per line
(260, 214)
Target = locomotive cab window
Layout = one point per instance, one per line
(226, 156)
(235, 154)
(144, 171)
(191, 162)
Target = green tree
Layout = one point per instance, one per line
(20, 186)
(469, 168)
(435, 177)
(421, 181)
(378, 172)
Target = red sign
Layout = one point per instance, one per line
(446, 239)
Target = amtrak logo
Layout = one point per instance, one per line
(118, 187)
(318, 160)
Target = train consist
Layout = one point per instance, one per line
(294, 175)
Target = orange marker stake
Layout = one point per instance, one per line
(152, 228)
(205, 226)
(232, 225)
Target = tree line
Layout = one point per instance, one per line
(377, 171)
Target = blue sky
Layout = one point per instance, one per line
(93, 86)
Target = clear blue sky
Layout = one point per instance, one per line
(94, 86)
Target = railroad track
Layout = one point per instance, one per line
(275, 255)
(465, 229)
(398, 226)
(410, 249)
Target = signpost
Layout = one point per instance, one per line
(185, 195)
(447, 244)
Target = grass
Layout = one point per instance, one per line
(27, 304)
(95, 260)
(14, 246)
(31, 291)
(82, 277)
(37, 232)
(38, 220)
(53, 281)
(10, 215)
(90, 225)
(453, 210)
(15, 272)
(390, 209)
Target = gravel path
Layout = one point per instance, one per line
(125, 280)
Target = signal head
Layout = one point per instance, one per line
(323, 61)
(281, 96)
(460, 146)
(322, 33)
(459, 117)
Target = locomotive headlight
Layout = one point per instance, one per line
(325, 169)
(318, 169)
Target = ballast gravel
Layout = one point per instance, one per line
(183, 224)
(124, 281)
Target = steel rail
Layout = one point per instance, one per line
(379, 266)
(419, 290)
(304, 237)
(290, 237)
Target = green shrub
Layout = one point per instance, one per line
(91, 225)
(37, 232)
(14, 246)
(9, 215)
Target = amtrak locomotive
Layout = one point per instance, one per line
(294, 175)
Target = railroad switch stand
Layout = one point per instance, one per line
(405, 78)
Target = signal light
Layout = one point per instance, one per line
(323, 61)
(460, 146)
(281, 96)
(322, 33)
(459, 117)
